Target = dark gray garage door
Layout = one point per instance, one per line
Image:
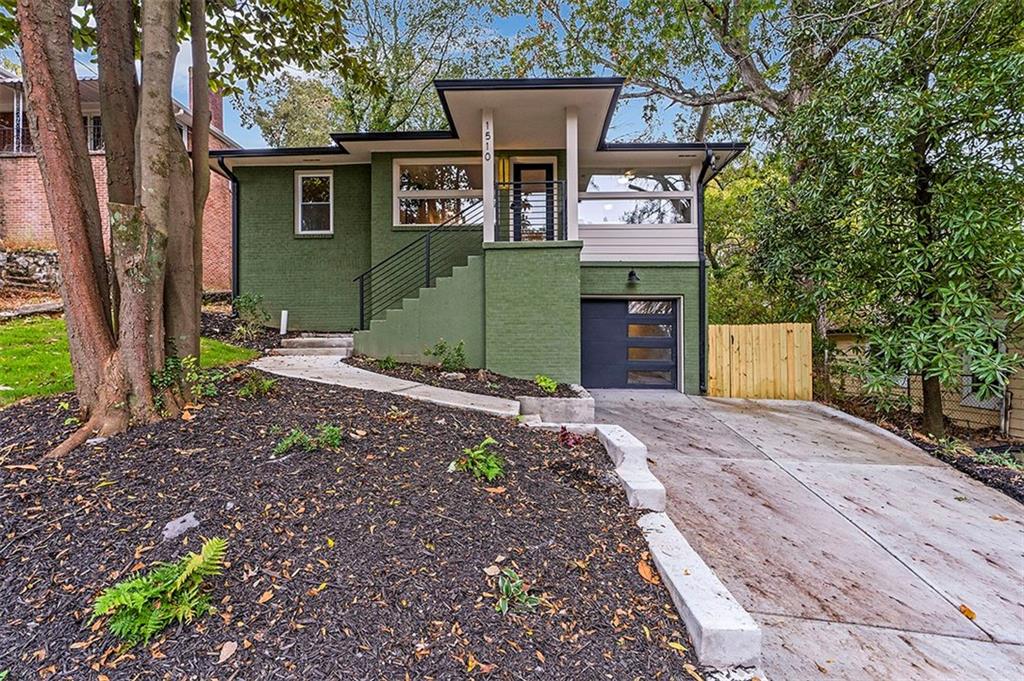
(629, 344)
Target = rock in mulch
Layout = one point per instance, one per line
(478, 381)
(369, 561)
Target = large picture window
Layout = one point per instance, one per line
(635, 196)
(432, 191)
(314, 202)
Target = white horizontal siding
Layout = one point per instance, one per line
(639, 242)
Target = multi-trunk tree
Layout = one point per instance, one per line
(909, 215)
(125, 320)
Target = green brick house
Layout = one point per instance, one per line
(520, 231)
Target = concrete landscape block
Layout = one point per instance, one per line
(723, 633)
(630, 457)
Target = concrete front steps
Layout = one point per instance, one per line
(337, 344)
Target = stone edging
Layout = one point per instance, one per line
(579, 409)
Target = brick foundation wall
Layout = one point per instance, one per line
(25, 216)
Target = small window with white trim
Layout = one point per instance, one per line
(636, 196)
(430, 191)
(314, 202)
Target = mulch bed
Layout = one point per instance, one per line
(478, 381)
(369, 561)
(1008, 480)
(221, 326)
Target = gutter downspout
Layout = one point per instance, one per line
(236, 191)
(702, 285)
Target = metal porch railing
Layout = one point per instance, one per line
(530, 211)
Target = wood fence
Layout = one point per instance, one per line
(760, 361)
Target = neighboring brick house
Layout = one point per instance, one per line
(24, 214)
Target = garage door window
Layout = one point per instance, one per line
(649, 354)
(650, 330)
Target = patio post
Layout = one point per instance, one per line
(572, 170)
(487, 158)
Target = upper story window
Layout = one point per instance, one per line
(314, 202)
(636, 196)
(93, 132)
(432, 191)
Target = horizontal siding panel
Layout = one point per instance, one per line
(639, 242)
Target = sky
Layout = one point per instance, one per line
(627, 123)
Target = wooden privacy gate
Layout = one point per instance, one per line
(760, 361)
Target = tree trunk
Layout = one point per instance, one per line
(934, 423)
(200, 141)
(55, 121)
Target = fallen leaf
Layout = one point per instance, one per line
(540, 656)
(821, 669)
(967, 612)
(226, 651)
(692, 671)
(22, 467)
(999, 518)
(78, 645)
(267, 595)
(186, 415)
(495, 490)
(645, 570)
(677, 646)
(492, 570)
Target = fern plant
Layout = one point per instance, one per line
(141, 606)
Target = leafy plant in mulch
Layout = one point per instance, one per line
(480, 461)
(388, 363)
(514, 593)
(140, 607)
(327, 436)
(569, 439)
(256, 385)
(252, 318)
(450, 357)
(546, 383)
(181, 374)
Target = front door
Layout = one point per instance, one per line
(533, 202)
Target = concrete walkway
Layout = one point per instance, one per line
(854, 551)
(329, 369)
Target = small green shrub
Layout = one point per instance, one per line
(257, 385)
(252, 318)
(140, 607)
(450, 358)
(998, 459)
(179, 374)
(296, 437)
(546, 383)
(480, 461)
(329, 436)
(388, 363)
(512, 592)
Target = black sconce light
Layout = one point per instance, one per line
(633, 277)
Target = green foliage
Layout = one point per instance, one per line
(181, 375)
(450, 358)
(988, 458)
(388, 363)
(296, 438)
(903, 222)
(328, 436)
(480, 461)
(252, 318)
(141, 606)
(257, 385)
(546, 383)
(513, 593)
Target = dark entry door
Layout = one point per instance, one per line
(533, 202)
(629, 343)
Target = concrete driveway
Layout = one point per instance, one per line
(853, 550)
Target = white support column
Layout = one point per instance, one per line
(572, 173)
(487, 158)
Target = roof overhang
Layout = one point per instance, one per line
(529, 113)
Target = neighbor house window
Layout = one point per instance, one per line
(433, 191)
(636, 196)
(314, 202)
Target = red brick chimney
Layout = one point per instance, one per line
(216, 105)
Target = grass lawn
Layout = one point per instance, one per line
(34, 358)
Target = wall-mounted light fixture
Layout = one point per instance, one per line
(633, 277)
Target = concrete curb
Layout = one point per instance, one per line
(561, 410)
(866, 425)
(630, 457)
(723, 633)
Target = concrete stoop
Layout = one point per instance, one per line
(336, 344)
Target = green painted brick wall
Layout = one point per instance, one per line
(656, 279)
(453, 310)
(532, 304)
(311, 277)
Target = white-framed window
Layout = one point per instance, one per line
(636, 196)
(314, 202)
(429, 191)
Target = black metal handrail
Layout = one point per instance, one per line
(530, 211)
(419, 263)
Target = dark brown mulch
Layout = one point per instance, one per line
(221, 326)
(372, 557)
(478, 381)
(984, 465)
